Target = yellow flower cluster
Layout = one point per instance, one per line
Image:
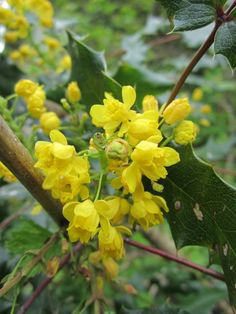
(133, 147)
(65, 173)
(34, 96)
(14, 19)
(6, 174)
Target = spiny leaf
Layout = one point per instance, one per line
(203, 211)
(225, 42)
(89, 70)
(189, 15)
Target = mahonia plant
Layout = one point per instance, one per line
(101, 187)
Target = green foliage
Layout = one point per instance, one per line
(25, 235)
(202, 211)
(89, 70)
(189, 15)
(225, 42)
(166, 309)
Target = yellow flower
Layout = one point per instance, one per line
(114, 114)
(5, 16)
(150, 103)
(146, 209)
(83, 219)
(73, 92)
(11, 36)
(197, 94)
(6, 174)
(49, 121)
(35, 102)
(148, 160)
(205, 109)
(177, 110)
(110, 239)
(52, 42)
(111, 267)
(185, 132)
(15, 55)
(204, 122)
(64, 64)
(27, 51)
(25, 88)
(143, 126)
(65, 172)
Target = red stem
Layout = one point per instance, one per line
(178, 260)
(47, 281)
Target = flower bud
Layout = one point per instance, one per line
(111, 267)
(25, 88)
(49, 121)
(150, 103)
(185, 132)
(98, 141)
(197, 94)
(118, 149)
(73, 92)
(177, 110)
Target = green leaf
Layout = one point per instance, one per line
(189, 15)
(145, 80)
(25, 235)
(89, 70)
(225, 42)
(203, 211)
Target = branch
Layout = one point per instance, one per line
(178, 260)
(6, 222)
(17, 158)
(47, 281)
(200, 53)
(12, 282)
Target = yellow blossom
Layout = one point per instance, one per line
(73, 92)
(35, 102)
(197, 94)
(49, 121)
(64, 64)
(27, 51)
(25, 88)
(110, 239)
(146, 209)
(6, 174)
(114, 114)
(149, 160)
(111, 267)
(205, 109)
(66, 174)
(150, 103)
(52, 42)
(205, 122)
(143, 126)
(177, 110)
(83, 219)
(11, 36)
(185, 132)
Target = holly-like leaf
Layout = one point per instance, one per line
(225, 42)
(189, 15)
(89, 70)
(203, 211)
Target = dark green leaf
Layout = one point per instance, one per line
(26, 235)
(206, 211)
(145, 80)
(189, 15)
(225, 42)
(89, 70)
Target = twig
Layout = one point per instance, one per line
(199, 54)
(11, 283)
(16, 157)
(6, 222)
(178, 260)
(47, 281)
